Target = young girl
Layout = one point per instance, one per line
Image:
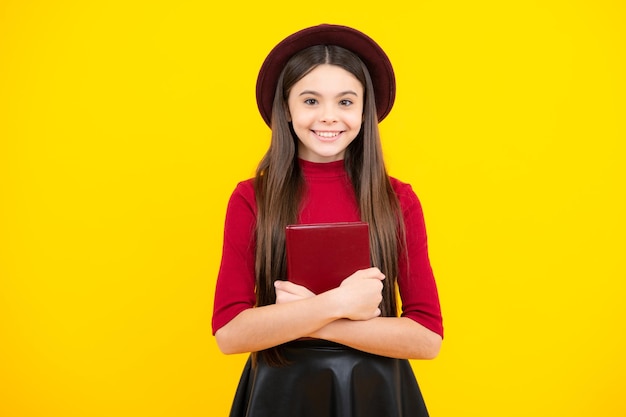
(343, 352)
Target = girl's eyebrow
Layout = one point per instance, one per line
(315, 93)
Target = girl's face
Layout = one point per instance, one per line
(326, 110)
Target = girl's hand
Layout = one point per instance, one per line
(361, 294)
(288, 291)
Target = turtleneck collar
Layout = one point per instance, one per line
(322, 169)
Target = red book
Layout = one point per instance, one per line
(321, 256)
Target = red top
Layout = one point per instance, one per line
(329, 197)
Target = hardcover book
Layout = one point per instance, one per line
(321, 256)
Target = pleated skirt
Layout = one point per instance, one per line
(325, 379)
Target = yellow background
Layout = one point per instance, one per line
(125, 125)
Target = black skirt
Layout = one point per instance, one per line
(325, 379)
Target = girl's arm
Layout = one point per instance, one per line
(397, 337)
(300, 313)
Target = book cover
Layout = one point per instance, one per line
(321, 256)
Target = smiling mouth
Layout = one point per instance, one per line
(326, 135)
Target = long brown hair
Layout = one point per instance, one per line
(279, 184)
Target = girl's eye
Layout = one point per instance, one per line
(345, 102)
(310, 101)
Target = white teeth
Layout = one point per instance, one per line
(327, 134)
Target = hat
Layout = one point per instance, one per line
(363, 46)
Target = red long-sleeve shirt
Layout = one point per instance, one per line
(329, 197)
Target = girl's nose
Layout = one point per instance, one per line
(328, 115)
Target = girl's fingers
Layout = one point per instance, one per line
(288, 291)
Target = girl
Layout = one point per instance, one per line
(343, 352)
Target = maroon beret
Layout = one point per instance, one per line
(363, 46)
